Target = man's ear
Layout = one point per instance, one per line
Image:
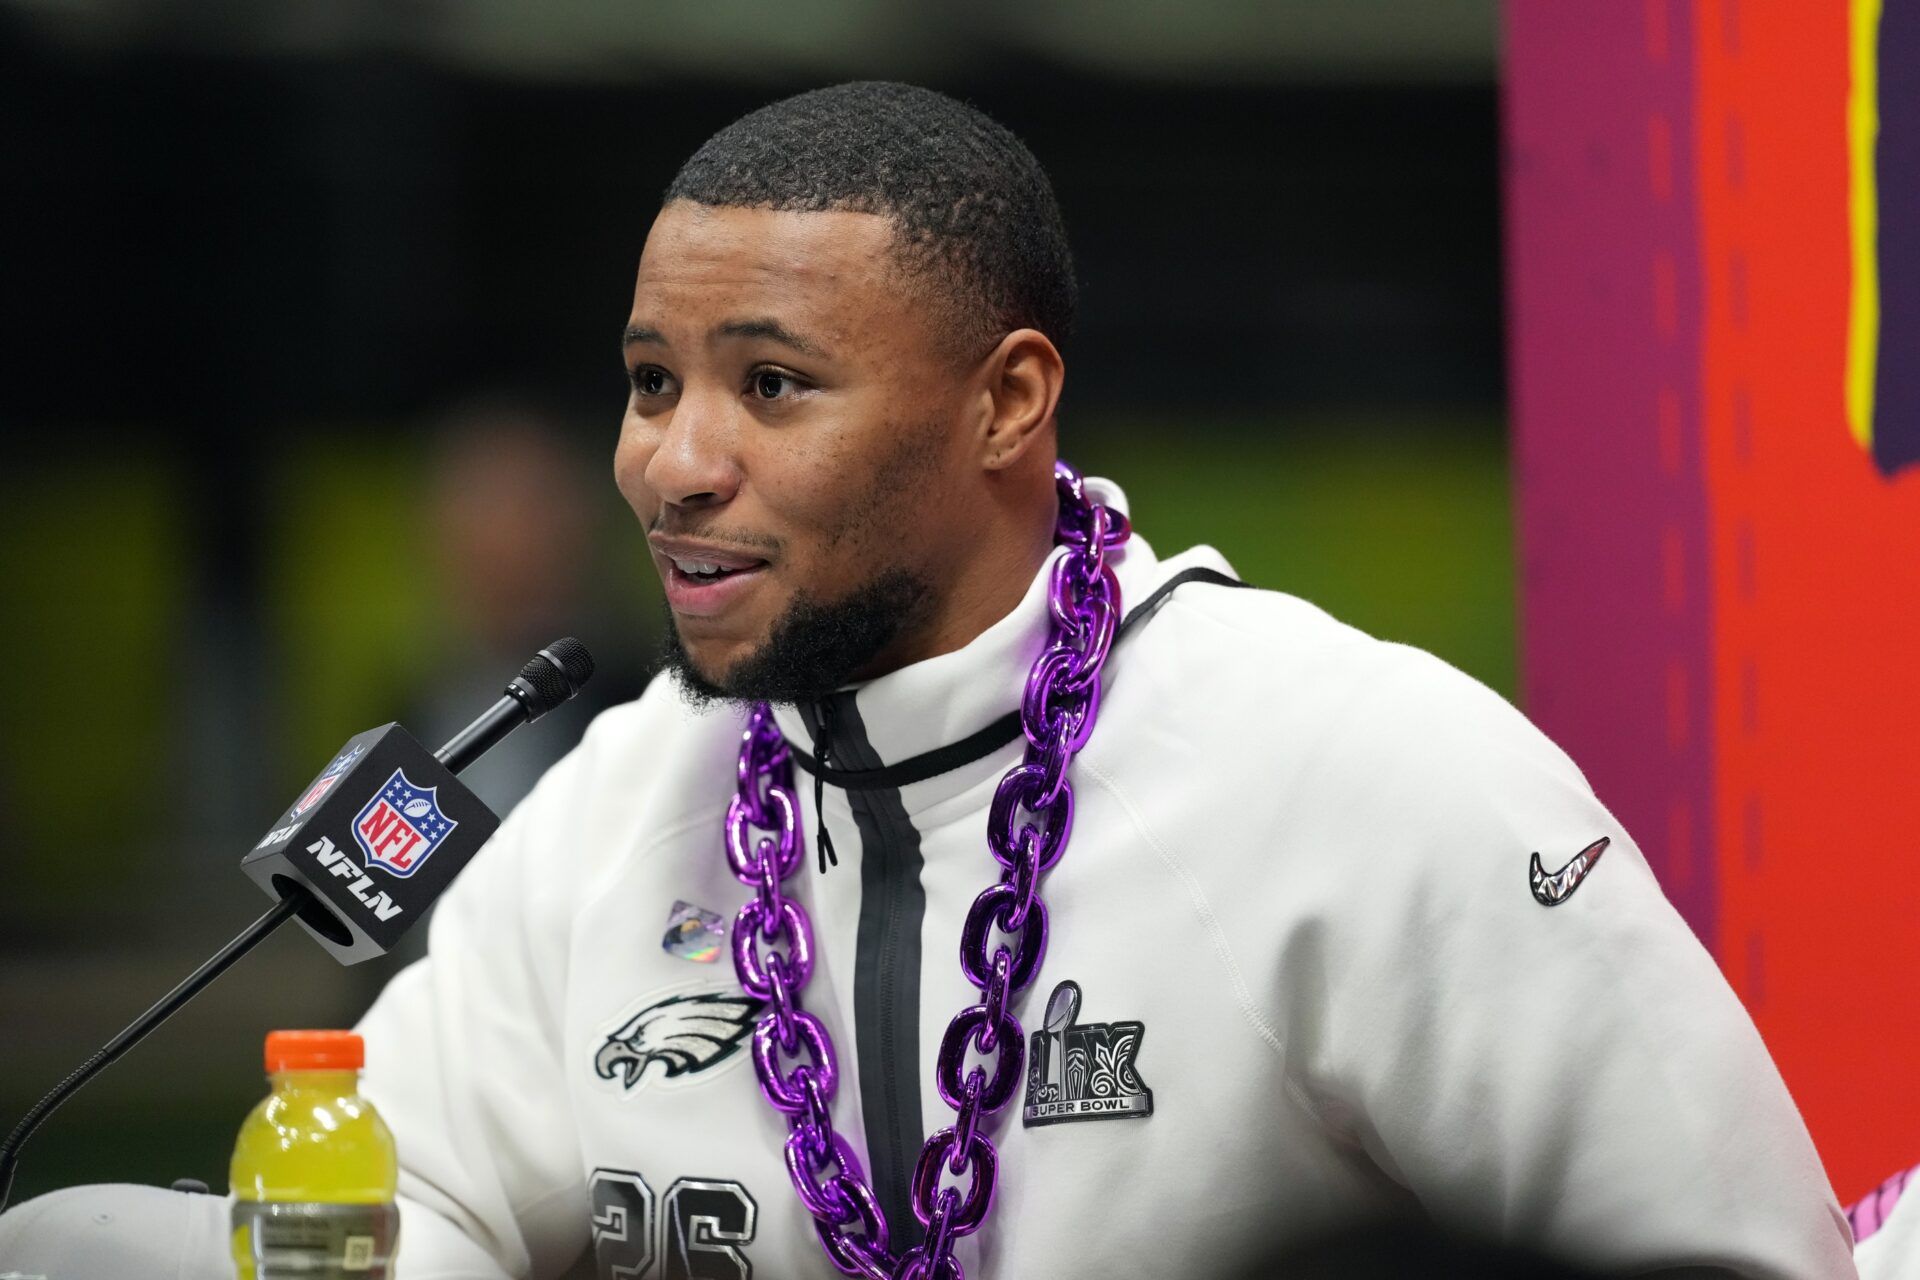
(1022, 379)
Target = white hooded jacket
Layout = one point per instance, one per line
(1299, 867)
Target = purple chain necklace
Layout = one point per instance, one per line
(1027, 828)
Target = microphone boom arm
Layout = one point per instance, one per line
(136, 1031)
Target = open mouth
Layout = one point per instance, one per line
(703, 572)
(698, 587)
(706, 579)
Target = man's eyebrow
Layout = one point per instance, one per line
(763, 327)
(770, 329)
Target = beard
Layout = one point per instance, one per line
(812, 649)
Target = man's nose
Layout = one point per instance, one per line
(696, 464)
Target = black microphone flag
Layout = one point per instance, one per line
(385, 828)
(377, 837)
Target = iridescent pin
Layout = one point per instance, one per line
(694, 934)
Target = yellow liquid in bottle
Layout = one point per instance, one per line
(314, 1175)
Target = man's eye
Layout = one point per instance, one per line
(649, 381)
(770, 384)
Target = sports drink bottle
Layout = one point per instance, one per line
(314, 1170)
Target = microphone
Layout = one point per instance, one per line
(553, 676)
(383, 805)
(381, 833)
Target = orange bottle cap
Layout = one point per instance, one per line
(315, 1051)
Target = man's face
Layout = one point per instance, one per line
(794, 423)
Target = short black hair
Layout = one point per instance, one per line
(973, 209)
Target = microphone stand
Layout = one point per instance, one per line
(255, 933)
(552, 677)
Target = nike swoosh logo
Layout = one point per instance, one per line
(1552, 890)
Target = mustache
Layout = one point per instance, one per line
(720, 535)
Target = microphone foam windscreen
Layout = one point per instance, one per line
(557, 672)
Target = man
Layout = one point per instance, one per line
(1301, 966)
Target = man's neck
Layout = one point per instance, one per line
(989, 584)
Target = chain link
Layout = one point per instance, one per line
(1027, 829)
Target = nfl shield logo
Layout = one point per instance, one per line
(314, 793)
(344, 759)
(402, 825)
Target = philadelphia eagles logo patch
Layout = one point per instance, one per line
(681, 1034)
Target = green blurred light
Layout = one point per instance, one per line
(1402, 528)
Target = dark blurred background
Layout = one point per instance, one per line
(309, 313)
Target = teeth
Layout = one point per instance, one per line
(696, 566)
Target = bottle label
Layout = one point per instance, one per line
(318, 1241)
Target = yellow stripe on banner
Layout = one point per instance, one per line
(1863, 133)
